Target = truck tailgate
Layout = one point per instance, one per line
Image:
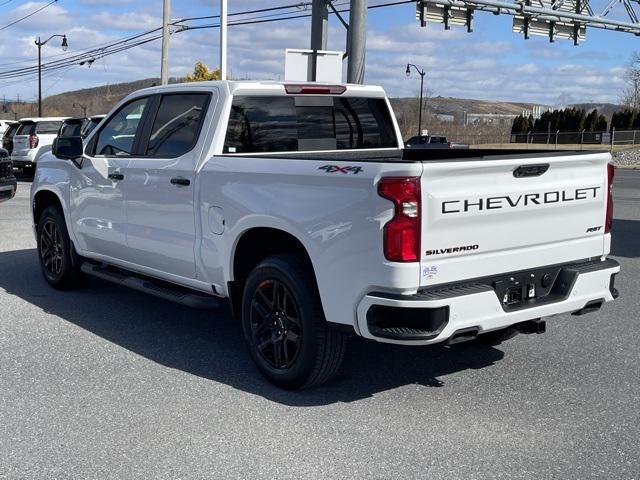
(493, 215)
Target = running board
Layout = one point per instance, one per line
(157, 288)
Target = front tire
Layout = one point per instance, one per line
(284, 325)
(58, 261)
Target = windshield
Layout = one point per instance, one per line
(308, 123)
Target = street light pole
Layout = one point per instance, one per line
(40, 44)
(422, 73)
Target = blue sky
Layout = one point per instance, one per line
(491, 63)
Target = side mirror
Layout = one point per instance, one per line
(68, 148)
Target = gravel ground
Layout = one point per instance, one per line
(104, 383)
(629, 158)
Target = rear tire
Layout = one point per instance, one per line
(284, 325)
(59, 263)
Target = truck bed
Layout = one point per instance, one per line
(417, 155)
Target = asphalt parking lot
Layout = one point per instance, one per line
(104, 382)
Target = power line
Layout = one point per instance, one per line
(28, 15)
(303, 5)
(124, 44)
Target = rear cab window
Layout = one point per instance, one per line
(265, 124)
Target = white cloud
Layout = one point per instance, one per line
(476, 65)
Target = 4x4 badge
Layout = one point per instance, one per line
(339, 169)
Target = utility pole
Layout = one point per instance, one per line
(357, 41)
(223, 39)
(319, 26)
(164, 74)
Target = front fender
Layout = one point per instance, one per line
(53, 175)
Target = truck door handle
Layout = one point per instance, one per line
(116, 176)
(183, 182)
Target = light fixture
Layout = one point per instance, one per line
(408, 71)
(65, 45)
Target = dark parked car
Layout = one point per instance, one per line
(8, 184)
(91, 124)
(7, 137)
(432, 142)
(79, 127)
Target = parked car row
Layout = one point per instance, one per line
(8, 184)
(28, 139)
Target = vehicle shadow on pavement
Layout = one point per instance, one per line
(625, 238)
(210, 345)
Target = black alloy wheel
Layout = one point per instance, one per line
(275, 324)
(51, 250)
(59, 262)
(284, 325)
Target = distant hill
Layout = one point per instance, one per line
(607, 109)
(457, 106)
(99, 100)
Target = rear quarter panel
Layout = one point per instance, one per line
(338, 217)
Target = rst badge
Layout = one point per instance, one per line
(429, 272)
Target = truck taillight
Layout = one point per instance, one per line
(402, 232)
(33, 141)
(608, 222)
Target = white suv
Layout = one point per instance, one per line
(4, 124)
(34, 138)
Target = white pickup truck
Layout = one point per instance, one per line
(298, 203)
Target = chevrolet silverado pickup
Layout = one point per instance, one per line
(298, 204)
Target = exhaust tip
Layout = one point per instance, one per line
(590, 307)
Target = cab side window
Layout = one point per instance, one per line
(118, 136)
(177, 125)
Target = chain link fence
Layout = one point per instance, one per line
(614, 138)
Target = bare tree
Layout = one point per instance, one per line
(631, 93)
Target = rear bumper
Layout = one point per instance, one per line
(436, 315)
(23, 160)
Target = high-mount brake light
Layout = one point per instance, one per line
(608, 222)
(296, 89)
(402, 232)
